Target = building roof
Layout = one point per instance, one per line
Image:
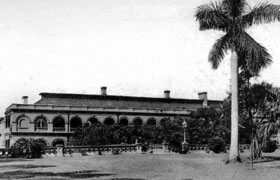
(112, 101)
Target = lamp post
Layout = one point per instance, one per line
(184, 143)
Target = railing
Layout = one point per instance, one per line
(205, 147)
(88, 150)
(174, 149)
(58, 129)
(49, 151)
(155, 146)
(73, 129)
(100, 148)
(99, 109)
(198, 147)
(201, 147)
(116, 149)
(41, 129)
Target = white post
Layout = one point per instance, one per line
(184, 143)
(59, 150)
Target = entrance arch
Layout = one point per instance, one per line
(42, 142)
(109, 121)
(58, 142)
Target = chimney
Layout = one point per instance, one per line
(25, 99)
(167, 94)
(203, 96)
(104, 91)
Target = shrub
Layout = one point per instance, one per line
(217, 145)
(19, 149)
(18, 153)
(269, 147)
(26, 149)
(35, 150)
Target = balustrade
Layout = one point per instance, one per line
(84, 150)
(73, 129)
(58, 129)
(41, 129)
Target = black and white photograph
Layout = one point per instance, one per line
(140, 89)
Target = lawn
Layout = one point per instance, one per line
(196, 165)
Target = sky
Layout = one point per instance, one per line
(134, 47)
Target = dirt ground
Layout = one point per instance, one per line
(195, 166)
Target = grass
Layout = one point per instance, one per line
(193, 166)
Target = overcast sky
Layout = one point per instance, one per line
(134, 47)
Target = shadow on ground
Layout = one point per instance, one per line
(25, 166)
(5, 160)
(59, 175)
(125, 179)
(267, 159)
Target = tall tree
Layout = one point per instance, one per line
(234, 17)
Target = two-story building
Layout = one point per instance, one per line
(55, 116)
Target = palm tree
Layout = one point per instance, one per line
(233, 17)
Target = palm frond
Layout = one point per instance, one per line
(234, 8)
(218, 51)
(211, 16)
(261, 13)
(253, 55)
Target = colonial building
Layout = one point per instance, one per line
(55, 116)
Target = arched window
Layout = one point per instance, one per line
(41, 123)
(164, 121)
(109, 121)
(92, 121)
(138, 122)
(23, 123)
(75, 123)
(58, 124)
(151, 122)
(123, 122)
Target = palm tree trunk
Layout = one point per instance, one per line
(234, 150)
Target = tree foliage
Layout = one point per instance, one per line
(259, 112)
(233, 17)
(206, 123)
(100, 134)
(25, 148)
(202, 125)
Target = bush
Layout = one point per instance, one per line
(36, 150)
(18, 153)
(217, 145)
(269, 147)
(26, 149)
